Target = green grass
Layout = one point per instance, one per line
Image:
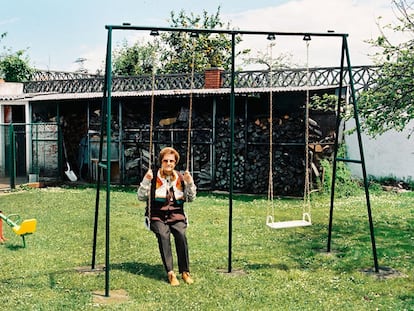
(286, 269)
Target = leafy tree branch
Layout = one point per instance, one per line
(389, 104)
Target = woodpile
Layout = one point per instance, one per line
(321, 144)
(171, 131)
(210, 156)
(251, 155)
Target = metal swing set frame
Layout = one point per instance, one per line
(345, 70)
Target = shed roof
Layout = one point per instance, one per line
(173, 92)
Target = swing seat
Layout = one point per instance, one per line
(304, 222)
(26, 227)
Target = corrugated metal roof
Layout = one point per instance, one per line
(14, 97)
(175, 92)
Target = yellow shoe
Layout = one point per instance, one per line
(173, 279)
(187, 278)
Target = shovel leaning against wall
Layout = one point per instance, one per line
(69, 173)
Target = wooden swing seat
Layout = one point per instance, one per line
(304, 222)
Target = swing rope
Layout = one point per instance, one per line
(190, 109)
(190, 116)
(147, 220)
(151, 129)
(270, 196)
(152, 113)
(306, 191)
(306, 218)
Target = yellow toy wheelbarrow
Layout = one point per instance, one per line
(26, 227)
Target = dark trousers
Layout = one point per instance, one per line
(162, 232)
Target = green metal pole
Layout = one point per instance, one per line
(37, 172)
(108, 82)
(98, 182)
(345, 54)
(59, 142)
(232, 108)
(12, 163)
(8, 220)
(335, 155)
(362, 158)
(105, 115)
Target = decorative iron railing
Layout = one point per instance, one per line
(130, 83)
(47, 75)
(363, 77)
(47, 82)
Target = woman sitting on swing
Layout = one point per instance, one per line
(166, 194)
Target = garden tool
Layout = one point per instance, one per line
(69, 173)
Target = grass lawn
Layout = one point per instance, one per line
(286, 269)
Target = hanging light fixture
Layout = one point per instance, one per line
(194, 34)
(271, 36)
(154, 32)
(307, 37)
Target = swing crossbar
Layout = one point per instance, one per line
(304, 222)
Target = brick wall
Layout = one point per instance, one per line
(212, 78)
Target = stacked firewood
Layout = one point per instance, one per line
(210, 156)
(222, 151)
(252, 155)
(170, 131)
(321, 144)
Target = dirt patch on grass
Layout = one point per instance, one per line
(88, 269)
(234, 272)
(115, 297)
(384, 273)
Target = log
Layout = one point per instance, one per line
(251, 148)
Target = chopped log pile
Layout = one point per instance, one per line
(210, 143)
(171, 131)
(251, 155)
(321, 143)
(210, 148)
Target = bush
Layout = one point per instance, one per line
(345, 184)
(15, 68)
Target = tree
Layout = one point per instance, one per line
(269, 61)
(174, 52)
(389, 104)
(134, 60)
(207, 49)
(14, 66)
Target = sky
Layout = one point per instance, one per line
(57, 33)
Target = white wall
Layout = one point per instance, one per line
(388, 155)
(11, 88)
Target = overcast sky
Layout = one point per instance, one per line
(57, 33)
